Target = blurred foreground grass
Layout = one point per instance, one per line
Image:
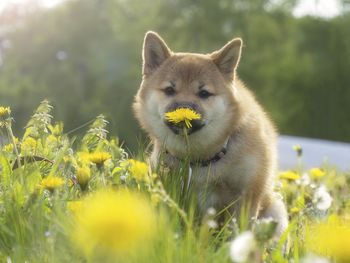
(64, 199)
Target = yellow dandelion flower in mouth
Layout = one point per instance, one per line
(51, 182)
(4, 111)
(182, 115)
(316, 173)
(114, 222)
(289, 175)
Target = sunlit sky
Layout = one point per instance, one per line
(323, 8)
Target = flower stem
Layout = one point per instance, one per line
(12, 138)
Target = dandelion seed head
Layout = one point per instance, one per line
(242, 247)
(322, 199)
(212, 224)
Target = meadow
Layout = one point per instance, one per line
(69, 198)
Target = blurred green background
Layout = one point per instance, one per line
(85, 57)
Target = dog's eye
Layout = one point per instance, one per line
(203, 94)
(169, 91)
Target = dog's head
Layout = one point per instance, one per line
(203, 83)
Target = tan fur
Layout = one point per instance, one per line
(247, 170)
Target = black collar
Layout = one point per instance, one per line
(204, 163)
(217, 157)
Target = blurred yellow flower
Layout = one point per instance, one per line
(9, 147)
(4, 111)
(316, 173)
(28, 145)
(289, 175)
(51, 139)
(115, 222)
(99, 157)
(83, 176)
(182, 115)
(298, 149)
(155, 199)
(295, 210)
(139, 170)
(74, 206)
(330, 238)
(51, 182)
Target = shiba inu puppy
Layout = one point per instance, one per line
(232, 147)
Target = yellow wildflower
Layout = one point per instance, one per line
(4, 111)
(51, 182)
(28, 146)
(115, 222)
(295, 210)
(74, 206)
(139, 170)
(99, 157)
(9, 147)
(83, 176)
(182, 115)
(155, 199)
(316, 173)
(289, 175)
(298, 149)
(330, 238)
(51, 140)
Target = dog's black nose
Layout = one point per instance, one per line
(186, 105)
(177, 128)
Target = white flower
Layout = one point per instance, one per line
(242, 247)
(322, 199)
(212, 224)
(314, 259)
(211, 211)
(304, 180)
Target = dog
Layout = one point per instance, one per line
(232, 148)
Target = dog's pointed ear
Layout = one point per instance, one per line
(227, 58)
(154, 52)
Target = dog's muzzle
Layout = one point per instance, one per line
(196, 124)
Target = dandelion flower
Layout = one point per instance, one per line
(242, 247)
(297, 148)
(316, 173)
(330, 238)
(139, 170)
(295, 210)
(9, 147)
(83, 176)
(28, 146)
(51, 182)
(290, 175)
(99, 157)
(4, 111)
(322, 199)
(114, 222)
(74, 206)
(182, 115)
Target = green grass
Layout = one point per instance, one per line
(36, 224)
